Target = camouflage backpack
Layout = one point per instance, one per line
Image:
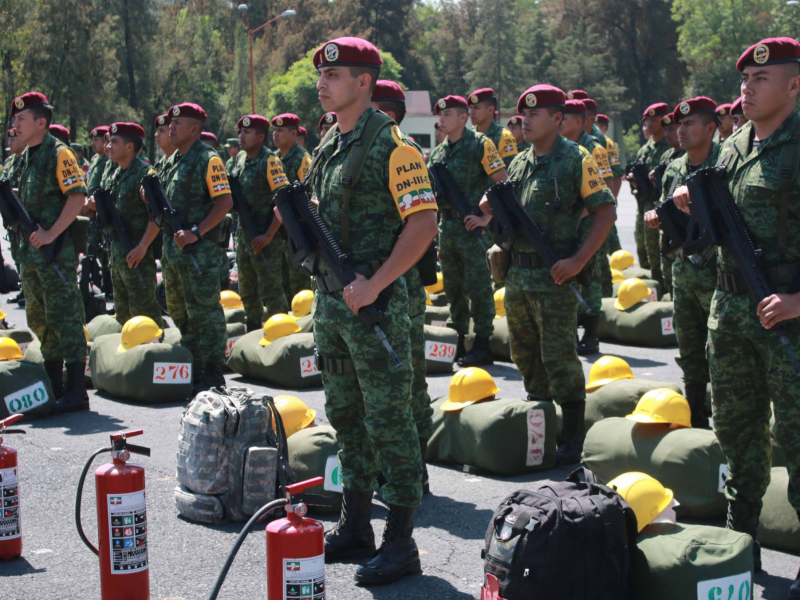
(231, 461)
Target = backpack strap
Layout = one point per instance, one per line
(317, 159)
(787, 171)
(553, 175)
(588, 476)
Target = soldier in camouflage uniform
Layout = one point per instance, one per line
(748, 365)
(232, 148)
(260, 174)
(473, 161)
(514, 125)
(197, 186)
(367, 397)
(99, 160)
(82, 162)
(162, 141)
(541, 310)
(11, 171)
(52, 189)
(326, 121)
(482, 107)
(601, 125)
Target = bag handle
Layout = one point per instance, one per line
(588, 476)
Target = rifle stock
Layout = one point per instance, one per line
(641, 176)
(675, 224)
(108, 217)
(245, 216)
(446, 185)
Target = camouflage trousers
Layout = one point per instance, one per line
(369, 406)
(746, 374)
(54, 311)
(638, 236)
(420, 400)
(604, 270)
(542, 328)
(666, 271)
(193, 305)
(131, 297)
(467, 281)
(294, 279)
(692, 306)
(652, 242)
(259, 283)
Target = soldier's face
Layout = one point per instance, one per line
(26, 126)
(452, 120)
(693, 132)
(572, 127)
(482, 112)
(301, 141)
(162, 137)
(251, 139)
(338, 88)
(738, 122)
(590, 117)
(119, 149)
(654, 127)
(725, 125)
(538, 124)
(107, 147)
(15, 145)
(671, 133)
(97, 144)
(602, 127)
(283, 136)
(182, 130)
(516, 131)
(326, 127)
(767, 91)
(645, 130)
(233, 151)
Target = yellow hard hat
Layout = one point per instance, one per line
(631, 292)
(3, 314)
(301, 303)
(437, 287)
(621, 260)
(469, 386)
(278, 326)
(86, 333)
(428, 299)
(617, 276)
(500, 302)
(230, 299)
(646, 496)
(138, 331)
(294, 414)
(607, 369)
(662, 405)
(9, 349)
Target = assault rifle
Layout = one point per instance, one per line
(674, 224)
(658, 188)
(446, 185)
(641, 176)
(510, 220)
(309, 240)
(17, 218)
(162, 213)
(716, 220)
(108, 218)
(245, 216)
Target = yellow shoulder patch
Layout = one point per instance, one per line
(591, 181)
(276, 176)
(216, 177)
(508, 145)
(397, 136)
(613, 153)
(305, 164)
(491, 161)
(601, 158)
(409, 181)
(69, 174)
(584, 150)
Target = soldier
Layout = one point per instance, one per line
(232, 148)
(725, 122)
(302, 134)
(110, 166)
(52, 189)
(11, 171)
(162, 141)
(439, 135)
(607, 143)
(474, 163)
(61, 133)
(675, 151)
(367, 398)
(482, 111)
(541, 310)
(738, 115)
(197, 185)
(99, 160)
(260, 174)
(82, 162)
(132, 298)
(748, 365)
(326, 121)
(514, 125)
(612, 243)
(209, 139)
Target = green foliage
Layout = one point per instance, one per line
(632, 138)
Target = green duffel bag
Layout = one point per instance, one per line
(636, 272)
(149, 373)
(287, 362)
(440, 349)
(619, 398)
(313, 452)
(778, 526)
(234, 332)
(102, 325)
(34, 354)
(26, 389)
(23, 337)
(504, 437)
(651, 283)
(647, 324)
(438, 299)
(234, 315)
(499, 342)
(688, 461)
(684, 562)
(436, 316)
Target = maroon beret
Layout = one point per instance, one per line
(667, 120)
(130, 129)
(602, 119)
(26, 101)
(328, 118)
(347, 52)
(654, 110)
(541, 96)
(591, 105)
(161, 120)
(188, 109)
(772, 51)
(515, 120)
(700, 104)
(59, 131)
(253, 121)
(99, 131)
(723, 109)
(481, 95)
(449, 102)
(208, 135)
(575, 107)
(286, 120)
(11, 133)
(577, 95)
(386, 90)
(736, 107)
(302, 131)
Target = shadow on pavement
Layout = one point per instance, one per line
(79, 423)
(775, 588)
(424, 586)
(20, 566)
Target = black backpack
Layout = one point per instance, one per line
(565, 541)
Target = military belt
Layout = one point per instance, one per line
(528, 260)
(734, 283)
(329, 284)
(335, 366)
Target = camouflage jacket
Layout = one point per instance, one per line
(556, 209)
(599, 154)
(296, 163)
(164, 164)
(11, 169)
(259, 179)
(230, 162)
(125, 187)
(672, 155)
(108, 172)
(49, 173)
(611, 148)
(503, 140)
(522, 147)
(650, 154)
(96, 169)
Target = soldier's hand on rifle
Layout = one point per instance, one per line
(261, 241)
(564, 269)
(651, 219)
(471, 221)
(41, 237)
(485, 207)
(184, 237)
(135, 256)
(778, 307)
(360, 293)
(91, 204)
(681, 198)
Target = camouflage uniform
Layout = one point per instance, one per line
(259, 283)
(542, 315)
(130, 298)
(647, 239)
(668, 158)
(748, 365)
(96, 169)
(164, 164)
(296, 163)
(53, 310)
(368, 401)
(503, 141)
(611, 244)
(11, 171)
(467, 281)
(420, 399)
(192, 182)
(94, 181)
(522, 147)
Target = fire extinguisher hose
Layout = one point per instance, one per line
(79, 497)
(240, 540)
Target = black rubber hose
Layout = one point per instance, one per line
(78, 498)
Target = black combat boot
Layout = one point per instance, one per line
(253, 326)
(696, 397)
(199, 383)
(479, 355)
(75, 397)
(570, 442)
(589, 344)
(352, 537)
(55, 371)
(398, 555)
(17, 298)
(743, 517)
(213, 376)
(423, 448)
(461, 348)
(794, 591)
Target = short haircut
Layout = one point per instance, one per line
(707, 118)
(42, 111)
(552, 110)
(461, 110)
(132, 139)
(373, 73)
(395, 106)
(490, 101)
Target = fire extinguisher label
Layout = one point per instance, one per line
(127, 525)
(9, 493)
(304, 578)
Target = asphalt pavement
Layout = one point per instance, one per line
(185, 558)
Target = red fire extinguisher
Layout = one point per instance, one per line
(295, 549)
(121, 521)
(10, 529)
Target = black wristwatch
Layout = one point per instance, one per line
(196, 230)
